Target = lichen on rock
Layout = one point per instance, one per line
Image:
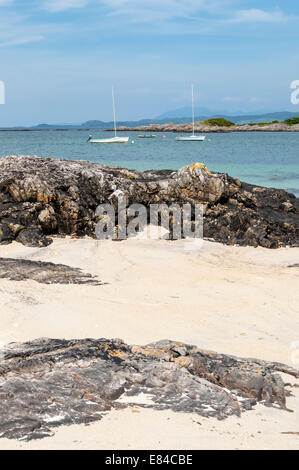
(49, 382)
(60, 197)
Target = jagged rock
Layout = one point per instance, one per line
(46, 383)
(45, 273)
(61, 196)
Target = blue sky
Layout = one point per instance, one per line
(59, 58)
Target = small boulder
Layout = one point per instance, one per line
(33, 237)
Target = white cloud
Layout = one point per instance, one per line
(17, 29)
(255, 16)
(61, 5)
(148, 10)
(163, 8)
(188, 16)
(216, 12)
(20, 41)
(159, 17)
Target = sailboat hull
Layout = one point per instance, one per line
(192, 138)
(112, 140)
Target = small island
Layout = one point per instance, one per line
(219, 125)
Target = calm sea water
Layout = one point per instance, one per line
(253, 157)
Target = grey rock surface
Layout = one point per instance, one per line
(40, 197)
(49, 382)
(43, 272)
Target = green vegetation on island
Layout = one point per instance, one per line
(221, 122)
(292, 121)
(261, 124)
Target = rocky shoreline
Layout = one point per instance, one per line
(43, 197)
(50, 382)
(201, 128)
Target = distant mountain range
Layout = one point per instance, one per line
(207, 112)
(170, 117)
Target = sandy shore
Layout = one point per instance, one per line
(235, 300)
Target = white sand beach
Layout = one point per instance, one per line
(236, 300)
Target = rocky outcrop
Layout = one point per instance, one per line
(44, 273)
(40, 197)
(47, 382)
(206, 129)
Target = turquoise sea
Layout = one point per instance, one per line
(254, 157)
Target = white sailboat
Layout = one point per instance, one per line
(193, 137)
(111, 140)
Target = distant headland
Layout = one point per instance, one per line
(220, 125)
(276, 121)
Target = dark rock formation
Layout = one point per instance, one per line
(41, 196)
(47, 382)
(44, 273)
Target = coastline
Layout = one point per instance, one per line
(171, 127)
(207, 129)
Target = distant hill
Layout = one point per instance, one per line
(237, 119)
(187, 111)
(267, 117)
(56, 126)
(107, 125)
(242, 118)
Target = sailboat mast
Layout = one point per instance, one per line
(192, 110)
(113, 104)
